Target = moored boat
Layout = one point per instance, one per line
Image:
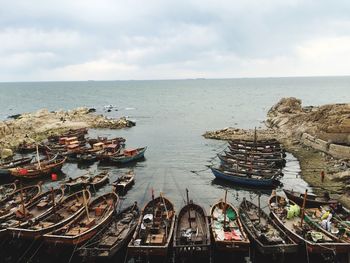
(114, 237)
(124, 182)
(128, 155)
(154, 230)
(77, 183)
(99, 180)
(21, 197)
(252, 181)
(63, 213)
(191, 233)
(5, 166)
(39, 169)
(226, 228)
(311, 199)
(268, 237)
(288, 216)
(35, 209)
(92, 219)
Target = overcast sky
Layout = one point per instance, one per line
(150, 39)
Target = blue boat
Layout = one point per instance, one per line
(129, 156)
(253, 181)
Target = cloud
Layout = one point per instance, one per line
(79, 40)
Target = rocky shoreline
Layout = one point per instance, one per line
(39, 125)
(319, 137)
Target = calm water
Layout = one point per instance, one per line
(171, 116)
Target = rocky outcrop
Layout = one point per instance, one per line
(39, 125)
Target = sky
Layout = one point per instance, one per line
(67, 40)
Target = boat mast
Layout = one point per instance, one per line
(189, 209)
(225, 206)
(303, 209)
(53, 199)
(22, 202)
(37, 156)
(86, 207)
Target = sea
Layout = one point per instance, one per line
(171, 116)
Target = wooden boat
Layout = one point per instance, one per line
(7, 189)
(250, 165)
(329, 220)
(266, 173)
(154, 230)
(77, 183)
(271, 154)
(36, 208)
(311, 199)
(90, 221)
(130, 155)
(285, 214)
(110, 150)
(226, 228)
(21, 196)
(106, 141)
(256, 143)
(261, 149)
(256, 158)
(99, 180)
(5, 166)
(79, 133)
(252, 181)
(191, 234)
(124, 182)
(63, 213)
(268, 237)
(86, 158)
(114, 237)
(39, 169)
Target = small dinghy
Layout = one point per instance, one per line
(114, 237)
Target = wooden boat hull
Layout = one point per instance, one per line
(192, 249)
(153, 250)
(246, 181)
(37, 173)
(229, 245)
(124, 160)
(74, 240)
(95, 251)
(312, 247)
(104, 179)
(298, 199)
(29, 233)
(288, 246)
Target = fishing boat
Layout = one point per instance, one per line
(35, 209)
(40, 169)
(86, 158)
(267, 236)
(21, 197)
(7, 189)
(5, 166)
(278, 161)
(332, 220)
(245, 164)
(124, 182)
(266, 173)
(271, 154)
(244, 180)
(290, 217)
(61, 214)
(79, 133)
(99, 180)
(77, 183)
(154, 230)
(226, 228)
(191, 234)
(312, 200)
(257, 143)
(129, 155)
(114, 237)
(110, 150)
(90, 221)
(106, 141)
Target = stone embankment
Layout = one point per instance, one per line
(318, 136)
(39, 125)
